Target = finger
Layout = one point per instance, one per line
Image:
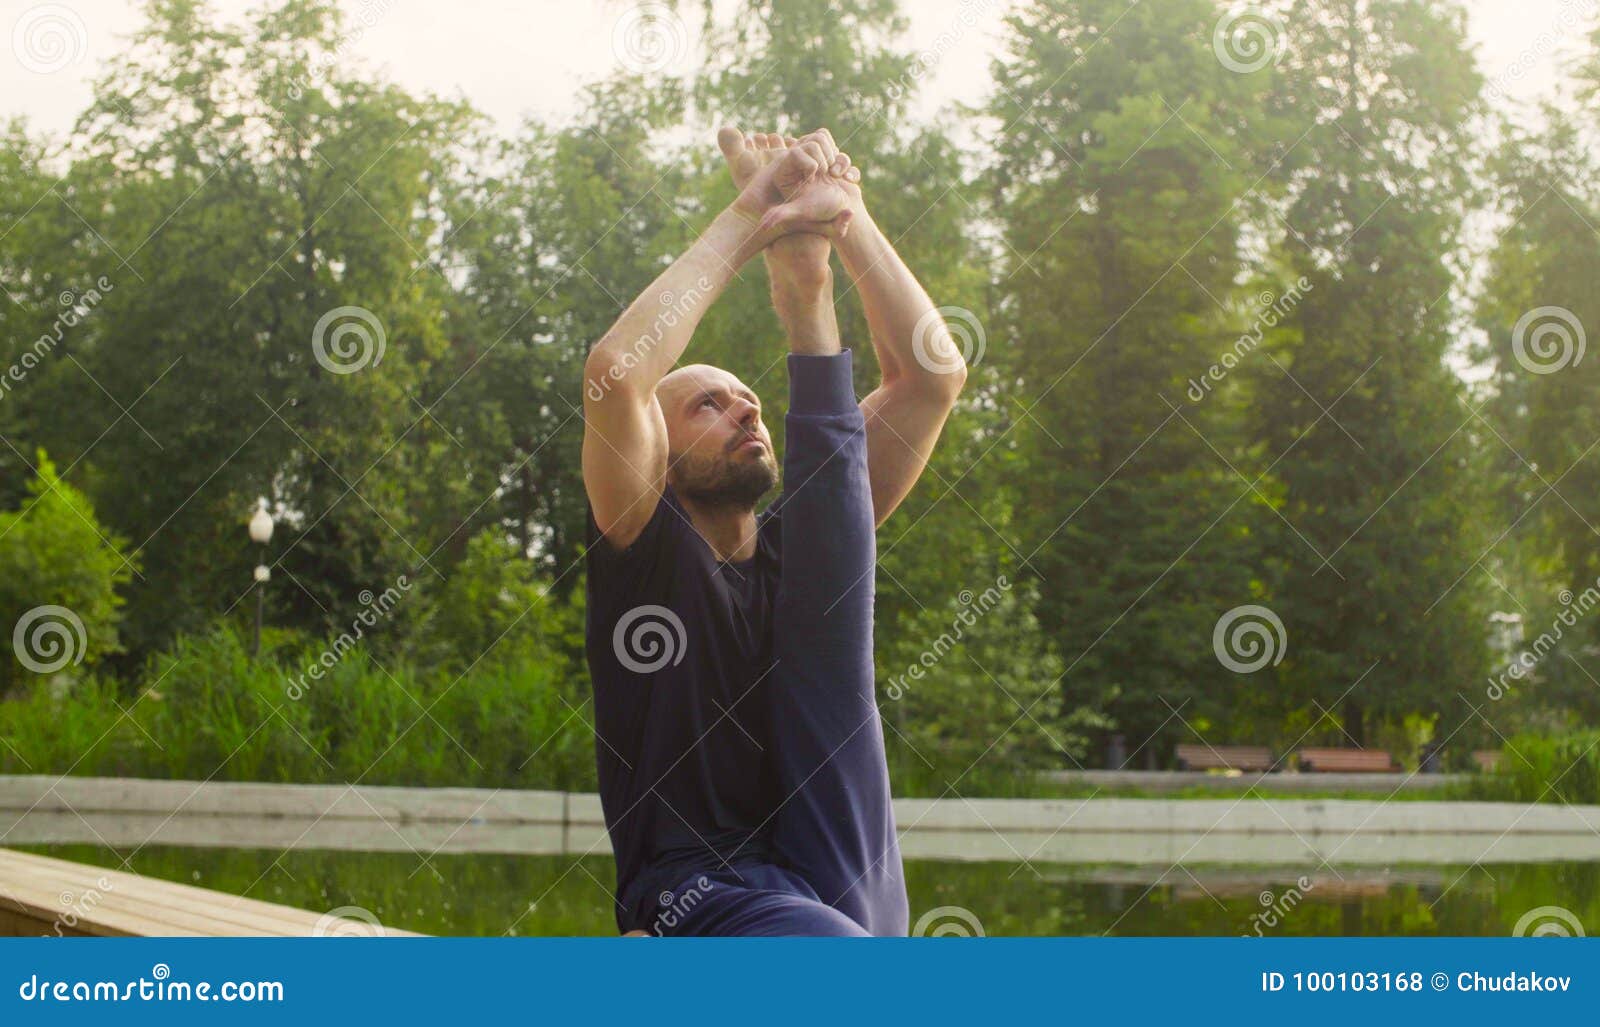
(823, 138)
(838, 228)
(789, 140)
(841, 164)
(852, 174)
(814, 150)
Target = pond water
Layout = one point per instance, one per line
(561, 895)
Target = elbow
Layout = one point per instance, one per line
(606, 370)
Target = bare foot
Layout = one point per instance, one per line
(805, 181)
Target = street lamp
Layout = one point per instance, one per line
(260, 534)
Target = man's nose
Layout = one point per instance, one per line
(746, 414)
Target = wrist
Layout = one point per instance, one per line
(864, 242)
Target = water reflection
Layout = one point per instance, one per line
(487, 894)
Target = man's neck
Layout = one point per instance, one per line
(729, 531)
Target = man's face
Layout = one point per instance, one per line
(718, 450)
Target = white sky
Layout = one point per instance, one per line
(513, 58)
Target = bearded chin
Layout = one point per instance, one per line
(720, 483)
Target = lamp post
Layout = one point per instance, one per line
(260, 534)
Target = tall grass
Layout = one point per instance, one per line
(208, 710)
(1545, 768)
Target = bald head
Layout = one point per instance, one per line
(719, 452)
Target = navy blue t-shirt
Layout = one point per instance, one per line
(678, 645)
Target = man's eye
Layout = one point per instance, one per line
(708, 402)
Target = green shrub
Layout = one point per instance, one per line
(1545, 768)
(59, 571)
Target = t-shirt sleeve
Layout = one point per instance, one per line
(615, 574)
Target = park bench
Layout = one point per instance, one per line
(45, 895)
(1347, 761)
(1224, 757)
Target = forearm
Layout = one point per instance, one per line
(896, 306)
(652, 334)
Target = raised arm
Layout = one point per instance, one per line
(625, 436)
(923, 370)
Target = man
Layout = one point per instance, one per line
(740, 754)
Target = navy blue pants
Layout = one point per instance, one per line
(833, 829)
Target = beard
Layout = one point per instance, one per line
(722, 481)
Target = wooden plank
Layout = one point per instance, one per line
(144, 899)
(31, 886)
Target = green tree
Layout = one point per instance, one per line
(59, 573)
(1381, 528)
(1116, 179)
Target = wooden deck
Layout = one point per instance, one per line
(42, 895)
